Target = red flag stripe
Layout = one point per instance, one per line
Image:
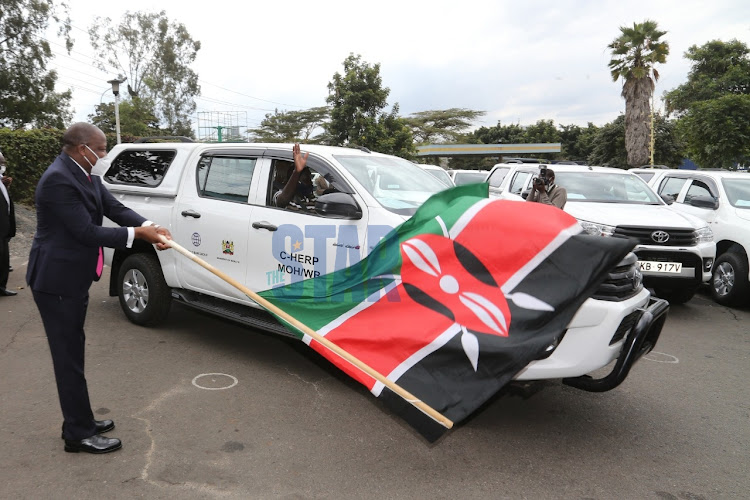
(418, 356)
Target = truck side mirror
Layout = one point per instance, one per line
(704, 202)
(338, 206)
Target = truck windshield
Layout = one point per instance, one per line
(738, 192)
(604, 187)
(398, 185)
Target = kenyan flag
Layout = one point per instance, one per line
(453, 303)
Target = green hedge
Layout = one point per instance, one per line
(28, 153)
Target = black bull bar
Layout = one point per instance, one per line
(641, 339)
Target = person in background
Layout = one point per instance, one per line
(66, 258)
(7, 229)
(548, 192)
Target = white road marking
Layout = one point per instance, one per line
(196, 384)
(661, 357)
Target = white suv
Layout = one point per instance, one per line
(675, 250)
(722, 199)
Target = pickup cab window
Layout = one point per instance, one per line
(698, 188)
(144, 168)
(496, 179)
(671, 186)
(225, 178)
(310, 186)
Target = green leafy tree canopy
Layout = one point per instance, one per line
(27, 88)
(155, 55)
(357, 102)
(714, 104)
(291, 126)
(137, 118)
(443, 125)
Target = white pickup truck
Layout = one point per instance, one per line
(216, 199)
(675, 250)
(722, 199)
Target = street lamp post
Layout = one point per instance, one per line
(116, 91)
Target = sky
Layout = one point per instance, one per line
(519, 61)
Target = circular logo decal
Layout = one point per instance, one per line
(660, 236)
(196, 239)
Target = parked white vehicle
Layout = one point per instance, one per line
(215, 199)
(675, 250)
(461, 177)
(722, 199)
(438, 172)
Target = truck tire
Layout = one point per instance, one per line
(676, 296)
(145, 297)
(729, 283)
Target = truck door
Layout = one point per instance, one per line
(292, 243)
(213, 219)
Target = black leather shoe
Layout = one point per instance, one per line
(95, 444)
(102, 426)
(7, 293)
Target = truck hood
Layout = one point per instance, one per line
(624, 214)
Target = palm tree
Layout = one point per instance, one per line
(634, 54)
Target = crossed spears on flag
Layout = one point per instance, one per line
(424, 259)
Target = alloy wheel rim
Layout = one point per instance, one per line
(724, 279)
(135, 290)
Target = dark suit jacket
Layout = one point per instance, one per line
(7, 218)
(69, 231)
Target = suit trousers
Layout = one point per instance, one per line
(63, 319)
(4, 261)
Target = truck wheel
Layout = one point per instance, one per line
(729, 284)
(676, 296)
(144, 295)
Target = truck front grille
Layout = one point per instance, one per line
(655, 236)
(623, 282)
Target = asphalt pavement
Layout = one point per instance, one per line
(210, 409)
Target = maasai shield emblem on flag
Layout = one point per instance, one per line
(457, 300)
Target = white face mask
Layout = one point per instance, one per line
(101, 165)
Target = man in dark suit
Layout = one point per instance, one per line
(65, 259)
(7, 229)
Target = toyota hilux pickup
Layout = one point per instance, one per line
(217, 200)
(722, 199)
(675, 250)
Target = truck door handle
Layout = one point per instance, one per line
(264, 225)
(191, 213)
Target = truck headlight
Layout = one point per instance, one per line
(704, 235)
(597, 229)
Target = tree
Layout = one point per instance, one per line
(577, 142)
(609, 144)
(137, 118)
(27, 89)
(155, 55)
(445, 125)
(500, 134)
(291, 126)
(717, 131)
(358, 117)
(635, 54)
(713, 106)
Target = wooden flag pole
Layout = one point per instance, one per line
(409, 397)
